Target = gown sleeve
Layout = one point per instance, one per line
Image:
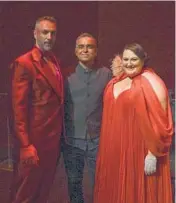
(155, 124)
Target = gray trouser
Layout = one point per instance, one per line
(74, 159)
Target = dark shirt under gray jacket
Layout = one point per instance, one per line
(84, 90)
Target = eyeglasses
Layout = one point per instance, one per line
(87, 46)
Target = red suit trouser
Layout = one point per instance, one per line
(35, 187)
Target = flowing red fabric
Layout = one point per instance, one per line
(132, 124)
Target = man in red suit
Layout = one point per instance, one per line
(37, 98)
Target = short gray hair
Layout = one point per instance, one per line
(49, 18)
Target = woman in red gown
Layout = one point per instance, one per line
(133, 160)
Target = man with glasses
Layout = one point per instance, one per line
(84, 88)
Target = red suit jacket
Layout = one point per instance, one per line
(37, 97)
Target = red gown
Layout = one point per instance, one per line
(132, 124)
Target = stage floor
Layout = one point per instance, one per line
(59, 193)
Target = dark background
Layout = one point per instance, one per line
(114, 24)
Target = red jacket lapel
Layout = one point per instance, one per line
(42, 66)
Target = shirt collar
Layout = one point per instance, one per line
(84, 69)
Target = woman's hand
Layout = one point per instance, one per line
(150, 164)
